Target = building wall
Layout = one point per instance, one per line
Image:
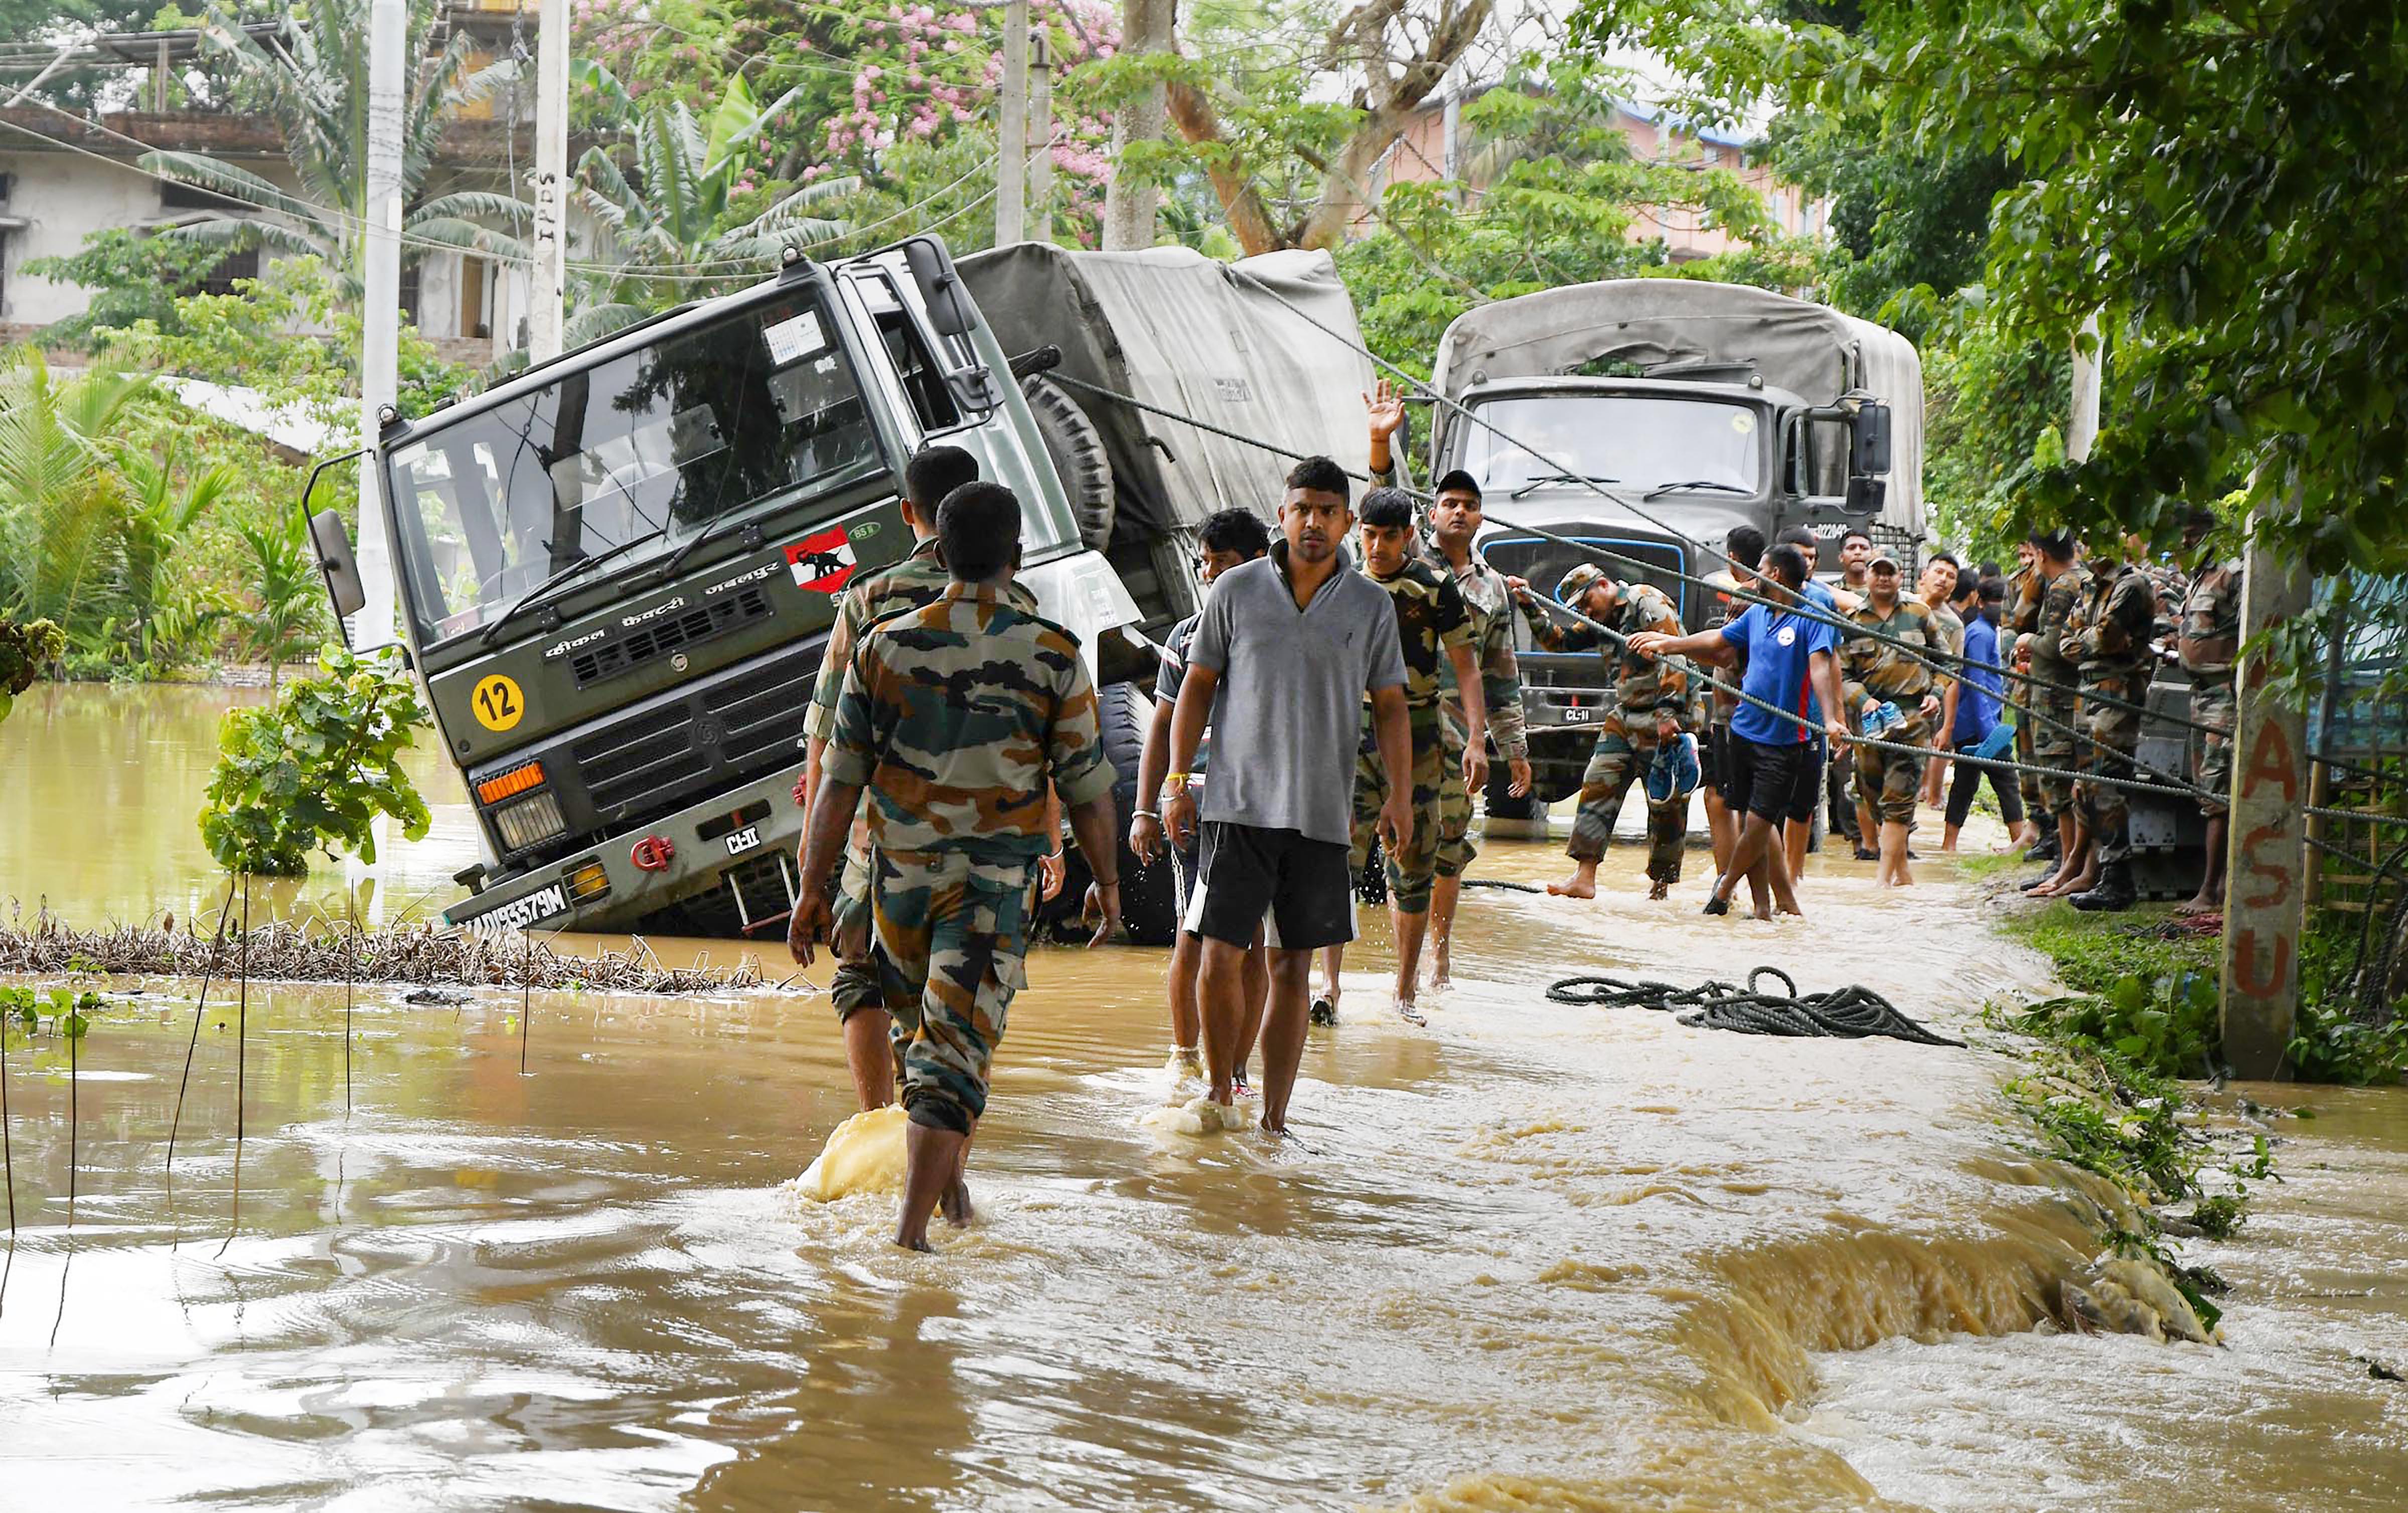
(63, 198)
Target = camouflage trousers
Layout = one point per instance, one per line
(2054, 747)
(1625, 748)
(854, 986)
(1887, 782)
(1412, 870)
(2211, 705)
(2027, 783)
(2112, 733)
(1455, 847)
(953, 942)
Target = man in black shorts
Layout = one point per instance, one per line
(1284, 653)
(1793, 668)
(1744, 548)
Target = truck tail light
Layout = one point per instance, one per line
(517, 780)
(530, 822)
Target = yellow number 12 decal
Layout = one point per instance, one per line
(498, 703)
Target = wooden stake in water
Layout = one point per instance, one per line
(351, 979)
(241, 1032)
(527, 996)
(199, 1010)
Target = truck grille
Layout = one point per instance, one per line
(639, 756)
(730, 729)
(658, 639)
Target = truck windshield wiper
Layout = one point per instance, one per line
(527, 600)
(1694, 483)
(1561, 477)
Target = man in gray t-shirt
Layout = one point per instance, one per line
(1283, 653)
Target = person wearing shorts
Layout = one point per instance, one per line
(1284, 653)
(1225, 540)
(1792, 694)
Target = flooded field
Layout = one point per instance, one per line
(1529, 1257)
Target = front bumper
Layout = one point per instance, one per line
(740, 829)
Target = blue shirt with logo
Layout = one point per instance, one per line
(1978, 699)
(1778, 644)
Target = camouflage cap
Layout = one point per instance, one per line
(1577, 582)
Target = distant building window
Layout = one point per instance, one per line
(6, 181)
(180, 196)
(410, 291)
(232, 267)
(1711, 156)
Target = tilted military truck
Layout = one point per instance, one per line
(618, 569)
(1668, 411)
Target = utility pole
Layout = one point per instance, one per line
(380, 303)
(1011, 130)
(1041, 133)
(1130, 205)
(2265, 893)
(548, 280)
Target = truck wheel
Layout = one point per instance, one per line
(1078, 456)
(1500, 802)
(1149, 902)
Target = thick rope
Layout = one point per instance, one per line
(1850, 1013)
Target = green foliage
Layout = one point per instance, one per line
(291, 599)
(313, 770)
(2100, 1112)
(25, 648)
(132, 276)
(2216, 183)
(2165, 1024)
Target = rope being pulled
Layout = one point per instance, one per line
(1851, 1013)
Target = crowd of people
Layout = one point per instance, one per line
(1341, 685)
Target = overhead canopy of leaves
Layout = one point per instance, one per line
(2219, 183)
(311, 771)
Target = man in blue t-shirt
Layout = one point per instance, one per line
(1792, 668)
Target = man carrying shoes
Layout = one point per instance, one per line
(1285, 649)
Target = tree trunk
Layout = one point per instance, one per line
(1130, 205)
(1249, 222)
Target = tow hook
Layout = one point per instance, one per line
(653, 853)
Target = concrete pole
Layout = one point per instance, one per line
(548, 282)
(2082, 429)
(1041, 135)
(2265, 895)
(1011, 130)
(1130, 206)
(380, 304)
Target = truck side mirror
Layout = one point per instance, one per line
(1871, 440)
(940, 287)
(332, 546)
(1865, 495)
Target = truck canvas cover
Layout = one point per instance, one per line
(1180, 331)
(1813, 350)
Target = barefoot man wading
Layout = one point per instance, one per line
(1281, 658)
(954, 719)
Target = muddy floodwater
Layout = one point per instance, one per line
(1529, 1257)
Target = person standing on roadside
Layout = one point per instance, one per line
(955, 721)
(2054, 708)
(1977, 728)
(1454, 519)
(2110, 638)
(2018, 619)
(1886, 661)
(1227, 539)
(1651, 699)
(2209, 640)
(1436, 633)
(873, 1050)
(1775, 758)
(1284, 653)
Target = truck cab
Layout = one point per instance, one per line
(617, 572)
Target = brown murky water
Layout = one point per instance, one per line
(1532, 1257)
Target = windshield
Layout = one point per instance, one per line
(1639, 440)
(632, 457)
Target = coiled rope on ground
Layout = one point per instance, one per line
(1850, 1013)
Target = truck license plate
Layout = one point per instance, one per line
(519, 913)
(1574, 714)
(744, 840)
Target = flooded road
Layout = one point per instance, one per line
(1530, 1257)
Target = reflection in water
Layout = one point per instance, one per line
(1533, 1257)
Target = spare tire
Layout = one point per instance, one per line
(1078, 456)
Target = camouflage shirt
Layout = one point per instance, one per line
(1643, 686)
(2210, 632)
(2025, 591)
(1431, 620)
(2173, 587)
(918, 580)
(2108, 637)
(1950, 629)
(2059, 598)
(1886, 658)
(1489, 601)
(956, 715)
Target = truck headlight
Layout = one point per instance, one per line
(530, 822)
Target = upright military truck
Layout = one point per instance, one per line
(617, 572)
(1647, 417)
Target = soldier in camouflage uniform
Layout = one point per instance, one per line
(2108, 636)
(1889, 660)
(1436, 631)
(1650, 702)
(2026, 587)
(2208, 638)
(2056, 679)
(1454, 521)
(873, 1044)
(953, 721)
